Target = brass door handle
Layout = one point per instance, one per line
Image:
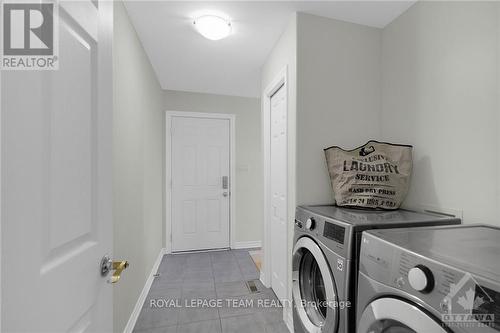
(118, 267)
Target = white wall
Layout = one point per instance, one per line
(248, 152)
(440, 93)
(338, 96)
(138, 164)
(284, 55)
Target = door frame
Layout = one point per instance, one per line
(280, 81)
(168, 170)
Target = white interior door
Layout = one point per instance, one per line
(279, 192)
(56, 182)
(200, 183)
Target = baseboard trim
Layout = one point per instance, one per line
(246, 245)
(144, 293)
(263, 280)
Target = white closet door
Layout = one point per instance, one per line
(279, 192)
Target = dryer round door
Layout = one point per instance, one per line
(313, 288)
(391, 315)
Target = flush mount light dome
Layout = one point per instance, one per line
(212, 27)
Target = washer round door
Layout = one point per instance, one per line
(313, 288)
(391, 315)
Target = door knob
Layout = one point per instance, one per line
(118, 267)
(225, 194)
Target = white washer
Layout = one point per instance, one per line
(324, 264)
(430, 280)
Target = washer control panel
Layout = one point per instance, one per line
(448, 290)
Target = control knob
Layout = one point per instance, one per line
(421, 279)
(310, 224)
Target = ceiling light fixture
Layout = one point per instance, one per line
(212, 27)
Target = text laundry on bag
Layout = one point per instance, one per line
(375, 175)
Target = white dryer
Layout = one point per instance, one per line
(430, 280)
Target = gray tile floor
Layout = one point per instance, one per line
(207, 293)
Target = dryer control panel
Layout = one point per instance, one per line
(332, 234)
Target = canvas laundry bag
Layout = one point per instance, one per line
(375, 175)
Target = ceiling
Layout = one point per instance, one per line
(184, 60)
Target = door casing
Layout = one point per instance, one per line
(280, 81)
(168, 170)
